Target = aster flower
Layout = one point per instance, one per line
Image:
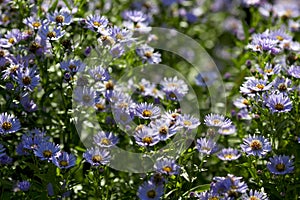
(167, 166)
(282, 85)
(46, 33)
(227, 130)
(34, 22)
(294, 71)
(28, 104)
(147, 111)
(258, 85)
(63, 160)
(5, 160)
(23, 185)
(261, 43)
(96, 156)
(254, 194)
(85, 96)
(46, 150)
(11, 38)
(229, 154)
(204, 79)
(206, 146)
(123, 36)
(117, 50)
(72, 66)
(135, 16)
(8, 124)
(256, 145)
(152, 91)
(149, 191)
(28, 78)
(278, 103)
(161, 126)
(148, 55)
(280, 165)
(208, 195)
(100, 104)
(216, 120)
(61, 18)
(105, 139)
(99, 73)
(106, 88)
(146, 137)
(96, 22)
(174, 88)
(269, 69)
(188, 121)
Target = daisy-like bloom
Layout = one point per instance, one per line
(147, 111)
(96, 156)
(294, 71)
(99, 74)
(254, 195)
(63, 160)
(206, 146)
(229, 154)
(106, 88)
(46, 150)
(11, 38)
(294, 26)
(257, 85)
(122, 116)
(85, 96)
(28, 78)
(148, 55)
(256, 145)
(96, 22)
(105, 139)
(227, 130)
(279, 103)
(261, 43)
(161, 126)
(188, 121)
(33, 22)
(150, 191)
(174, 88)
(135, 16)
(204, 79)
(166, 166)
(8, 124)
(5, 160)
(61, 18)
(208, 195)
(172, 117)
(100, 104)
(280, 165)
(72, 66)
(152, 91)
(46, 33)
(229, 186)
(23, 185)
(282, 85)
(216, 120)
(117, 50)
(28, 104)
(269, 69)
(145, 136)
(123, 36)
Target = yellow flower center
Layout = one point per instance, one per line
(47, 153)
(96, 23)
(280, 167)
(148, 54)
(151, 194)
(59, 19)
(187, 123)
(99, 106)
(228, 156)
(167, 169)
(260, 86)
(36, 24)
(279, 106)
(7, 125)
(105, 141)
(11, 40)
(253, 198)
(109, 85)
(51, 34)
(147, 113)
(97, 158)
(147, 140)
(278, 37)
(255, 145)
(63, 163)
(26, 80)
(163, 130)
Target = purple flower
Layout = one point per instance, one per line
(189, 122)
(278, 103)
(254, 194)
(61, 18)
(28, 104)
(28, 78)
(105, 139)
(117, 50)
(146, 137)
(280, 165)
(229, 186)
(85, 96)
(51, 34)
(123, 36)
(148, 55)
(206, 146)
(294, 71)
(96, 22)
(5, 160)
(241, 103)
(256, 145)
(229, 154)
(33, 22)
(204, 79)
(161, 126)
(174, 88)
(166, 166)
(11, 38)
(282, 85)
(135, 16)
(9, 124)
(216, 120)
(63, 160)
(150, 191)
(72, 66)
(23, 185)
(147, 111)
(46, 150)
(96, 156)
